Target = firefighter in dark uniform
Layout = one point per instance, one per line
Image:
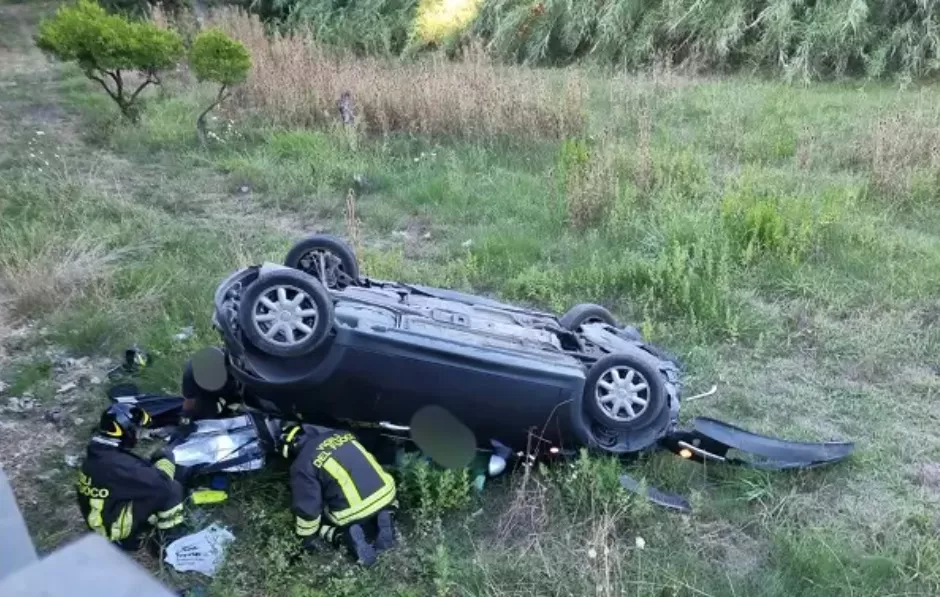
(123, 496)
(340, 494)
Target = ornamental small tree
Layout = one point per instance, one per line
(217, 58)
(107, 47)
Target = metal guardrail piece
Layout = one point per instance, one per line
(88, 567)
(16, 547)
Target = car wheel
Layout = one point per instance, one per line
(286, 313)
(586, 313)
(326, 258)
(623, 392)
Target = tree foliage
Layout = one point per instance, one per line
(217, 58)
(802, 39)
(107, 46)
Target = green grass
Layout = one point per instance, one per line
(748, 226)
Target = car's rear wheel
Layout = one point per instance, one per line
(586, 313)
(624, 393)
(286, 313)
(325, 257)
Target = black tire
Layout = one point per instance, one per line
(583, 313)
(292, 281)
(342, 267)
(654, 394)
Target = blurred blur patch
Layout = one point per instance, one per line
(442, 437)
(209, 369)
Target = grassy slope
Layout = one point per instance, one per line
(132, 229)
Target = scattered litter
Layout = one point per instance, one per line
(244, 189)
(73, 460)
(19, 405)
(200, 552)
(66, 387)
(95, 380)
(71, 363)
(426, 236)
(185, 334)
(467, 243)
(78, 421)
(3, 386)
(711, 391)
(53, 416)
(640, 543)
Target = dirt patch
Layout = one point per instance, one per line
(928, 477)
(732, 549)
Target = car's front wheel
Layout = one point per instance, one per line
(286, 313)
(624, 393)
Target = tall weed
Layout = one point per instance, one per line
(761, 223)
(298, 81)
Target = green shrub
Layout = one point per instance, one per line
(217, 58)
(428, 492)
(761, 223)
(107, 46)
(689, 282)
(590, 181)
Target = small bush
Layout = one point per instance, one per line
(107, 46)
(217, 58)
(760, 223)
(428, 492)
(590, 180)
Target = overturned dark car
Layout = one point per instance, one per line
(314, 340)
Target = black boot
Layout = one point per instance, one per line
(385, 539)
(359, 547)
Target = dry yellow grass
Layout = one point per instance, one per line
(900, 145)
(295, 81)
(50, 278)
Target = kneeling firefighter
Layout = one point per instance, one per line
(123, 496)
(340, 493)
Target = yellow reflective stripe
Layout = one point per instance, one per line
(167, 467)
(371, 459)
(94, 516)
(375, 502)
(305, 528)
(177, 509)
(327, 532)
(170, 523)
(345, 482)
(121, 528)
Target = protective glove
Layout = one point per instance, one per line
(163, 453)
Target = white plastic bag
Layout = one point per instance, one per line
(199, 552)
